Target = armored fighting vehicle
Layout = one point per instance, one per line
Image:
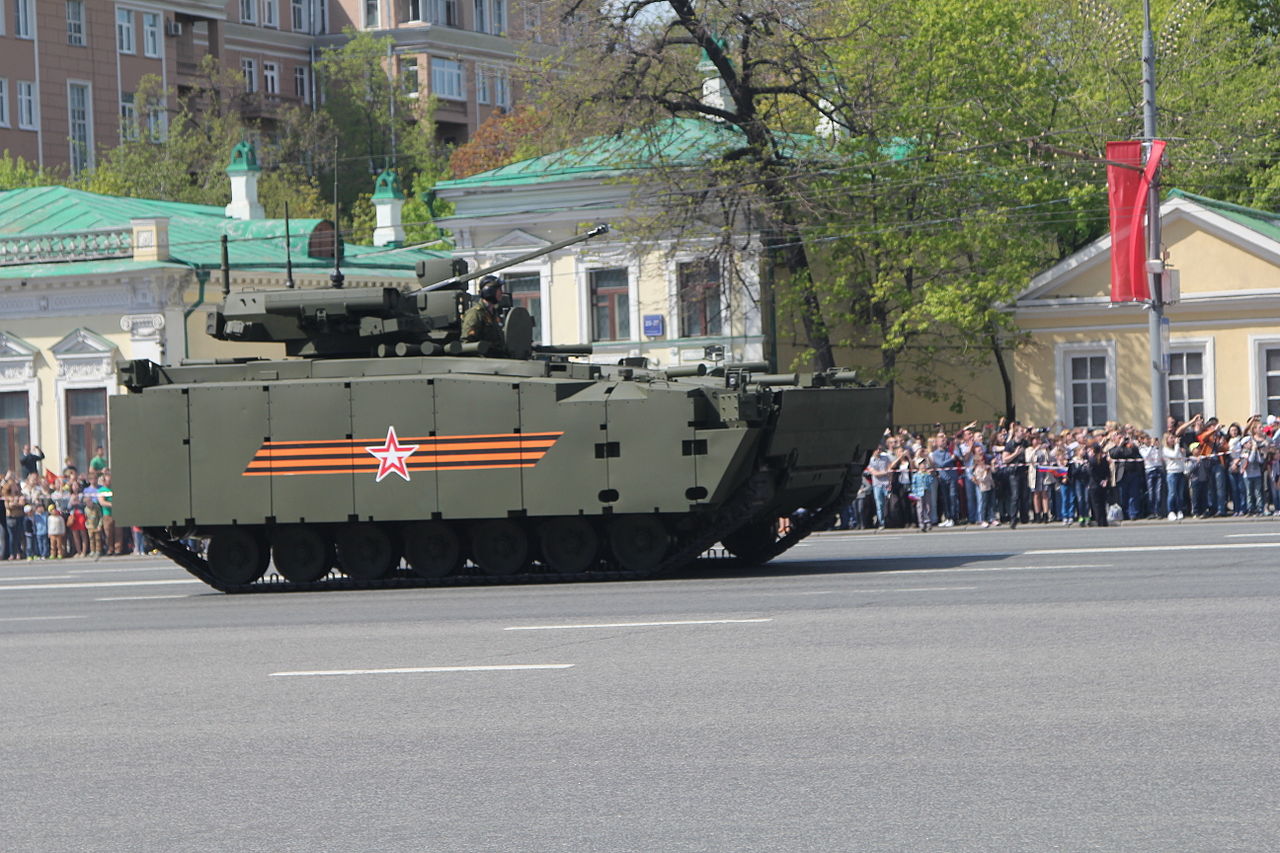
(384, 450)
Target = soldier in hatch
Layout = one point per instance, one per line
(481, 322)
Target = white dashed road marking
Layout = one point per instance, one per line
(141, 597)
(637, 624)
(93, 584)
(36, 618)
(1136, 548)
(409, 670)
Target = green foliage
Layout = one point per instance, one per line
(182, 154)
(418, 215)
(17, 173)
(367, 122)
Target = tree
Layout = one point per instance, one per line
(182, 155)
(969, 145)
(628, 65)
(941, 208)
(17, 173)
(503, 138)
(369, 120)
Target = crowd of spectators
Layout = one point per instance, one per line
(50, 516)
(1011, 474)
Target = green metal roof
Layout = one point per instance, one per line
(195, 232)
(1261, 221)
(671, 142)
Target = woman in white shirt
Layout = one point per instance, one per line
(1175, 474)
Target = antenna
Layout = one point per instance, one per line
(336, 277)
(288, 251)
(226, 269)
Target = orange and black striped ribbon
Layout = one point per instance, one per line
(434, 453)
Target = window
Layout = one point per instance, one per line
(446, 79)
(370, 14)
(482, 16)
(157, 124)
(699, 284)
(86, 424)
(79, 120)
(249, 70)
(482, 86)
(413, 11)
(443, 12)
(271, 78)
(1271, 380)
(124, 30)
(269, 18)
(300, 88)
(502, 91)
(610, 307)
(26, 105)
(533, 22)
(75, 23)
(1186, 384)
(15, 427)
(4, 102)
(526, 291)
(1088, 393)
(23, 19)
(151, 34)
(299, 16)
(321, 24)
(499, 17)
(248, 11)
(128, 117)
(409, 75)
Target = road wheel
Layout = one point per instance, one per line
(238, 555)
(569, 545)
(302, 553)
(500, 547)
(366, 551)
(638, 542)
(751, 542)
(432, 549)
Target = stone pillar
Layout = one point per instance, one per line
(150, 238)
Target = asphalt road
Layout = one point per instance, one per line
(1039, 689)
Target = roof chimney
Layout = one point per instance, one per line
(243, 171)
(388, 204)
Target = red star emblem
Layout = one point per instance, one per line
(392, 455)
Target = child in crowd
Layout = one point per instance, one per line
(76, 527)
(41, 523)
(57, 533)
(93, 526)
(29, 532)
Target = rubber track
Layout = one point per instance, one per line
(750, 501)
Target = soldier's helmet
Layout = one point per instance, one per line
(489, 287)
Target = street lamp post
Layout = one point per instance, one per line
(1157, 325)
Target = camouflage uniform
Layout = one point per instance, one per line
(480, 323)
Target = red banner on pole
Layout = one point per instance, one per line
(1127, 187)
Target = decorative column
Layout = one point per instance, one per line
(388, 204)
(243, 171)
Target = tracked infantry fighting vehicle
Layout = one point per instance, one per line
(386, 451)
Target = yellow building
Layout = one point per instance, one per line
(1088, 361)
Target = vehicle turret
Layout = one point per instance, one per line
(343, 322)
